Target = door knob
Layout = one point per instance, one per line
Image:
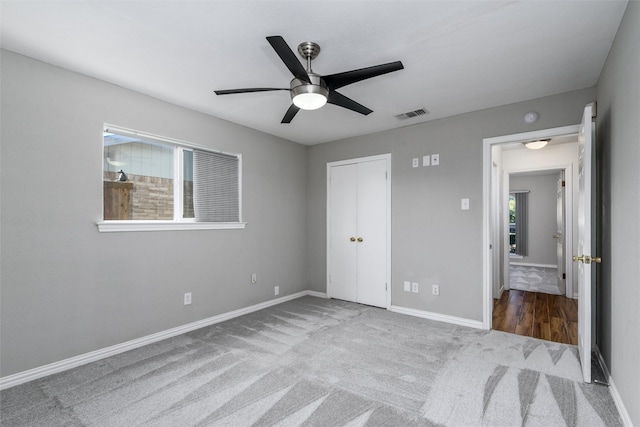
(587, 259)
(556, 236)
(353, 239)
(359, 239)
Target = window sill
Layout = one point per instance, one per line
(118, 226)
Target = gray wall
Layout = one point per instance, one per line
(433, 241)
(68, 289)
(618, 134)
(542, 217)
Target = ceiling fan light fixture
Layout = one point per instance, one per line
(309, 97)
(536, 145)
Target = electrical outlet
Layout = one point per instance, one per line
(407, 286)
(415, 162)
(254, 278)
(435, 289)
(276, 290)
(187, 298)
(426, 160)
(415, 288)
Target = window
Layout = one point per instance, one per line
(518, 222)
(151, 183)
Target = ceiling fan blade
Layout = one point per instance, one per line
(289, 58)
(290, 114)
(336, 81)
(248, 90)
(340, 100)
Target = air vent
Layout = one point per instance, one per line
(412, 114)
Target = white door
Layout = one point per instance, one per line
(358, 231)
(495, 227)
(586, 145)
(343, 228)
(372, 233)
(560, 236)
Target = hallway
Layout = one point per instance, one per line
(534, 279)
(537, 315)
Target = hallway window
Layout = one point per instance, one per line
(518, 213)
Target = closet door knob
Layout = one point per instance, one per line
(359, 239)
(353, 239)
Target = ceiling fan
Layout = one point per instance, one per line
(310, 91)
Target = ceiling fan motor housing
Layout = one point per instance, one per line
(316, 87)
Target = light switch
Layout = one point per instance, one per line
(407, 286)
(416, 162)
(464, 204)
(426, 160)
(435, 159)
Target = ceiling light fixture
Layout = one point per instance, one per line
(536, 145)
(309, 96)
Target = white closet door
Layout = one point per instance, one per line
(358, 231)
(372, 233)
(342, 231)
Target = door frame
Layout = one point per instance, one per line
(569, 290)
(487, 144)
(387, 158)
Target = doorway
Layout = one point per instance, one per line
(583, 169)
(504, 156)
(537, 231)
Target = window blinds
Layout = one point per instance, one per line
(215, 187)
(522, 218)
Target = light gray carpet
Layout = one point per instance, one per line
(317, 362)
(534, 279)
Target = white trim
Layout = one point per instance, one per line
(438, 317)
(536, 134)
(117, 226)
(624, 415)
(317, 294)
(487, 143)
(387, 158)
(622, 410)
(528, 264)
(83, 359)
(162, 139)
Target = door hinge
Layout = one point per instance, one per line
(564, 276)
(385, 286)
(329, 278)
(563, 183)
(386, 175)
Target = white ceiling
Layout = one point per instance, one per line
(459, 56)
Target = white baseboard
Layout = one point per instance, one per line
(626, 419)
(529, 264)
(83, 359)
(317, 294)
(437, 316)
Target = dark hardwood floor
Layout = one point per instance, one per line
(537, 315)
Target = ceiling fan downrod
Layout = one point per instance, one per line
(309, 51)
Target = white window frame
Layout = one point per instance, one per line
(178, 223)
